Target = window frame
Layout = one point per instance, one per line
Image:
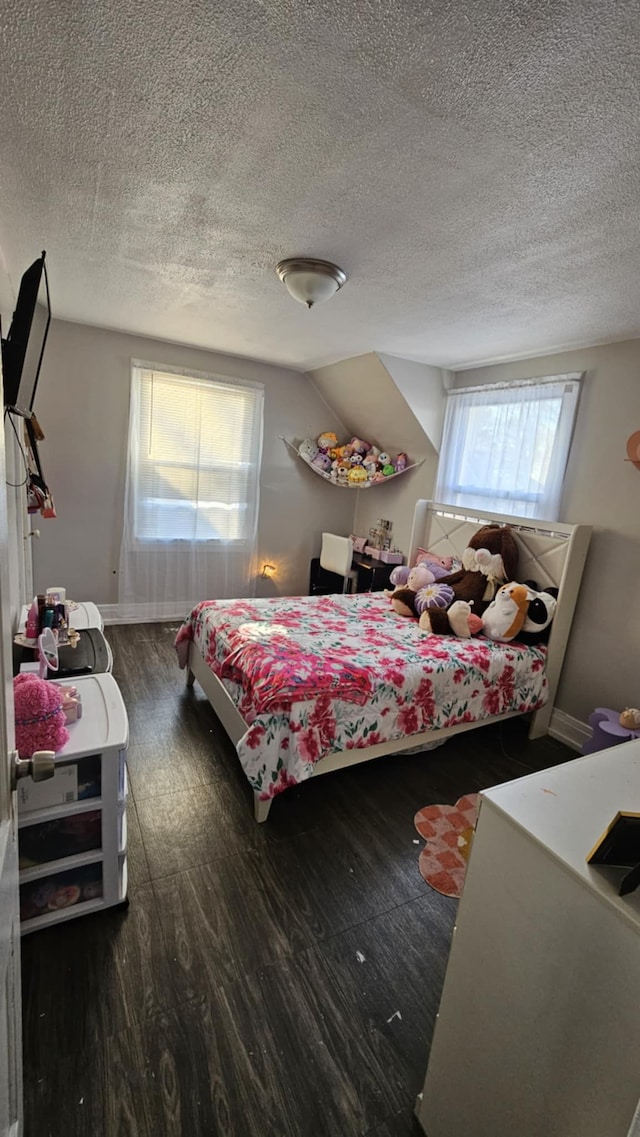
(144, 543)
(473, 496)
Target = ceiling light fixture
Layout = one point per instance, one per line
(310, 281)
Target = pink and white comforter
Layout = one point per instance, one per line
(312, 675)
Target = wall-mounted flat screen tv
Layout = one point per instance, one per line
(23, 348)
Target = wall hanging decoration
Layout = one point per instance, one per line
(356, 464)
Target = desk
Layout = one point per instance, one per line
(373, 576)
(538, 1031)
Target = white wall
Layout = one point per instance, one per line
(424, 389)
(19, 567)
(83, 405)
(372, 406)
(602, 666)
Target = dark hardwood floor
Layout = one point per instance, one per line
(278, 980)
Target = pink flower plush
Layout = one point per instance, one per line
(433, 596)
(39, 715)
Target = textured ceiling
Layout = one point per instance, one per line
(473, 166)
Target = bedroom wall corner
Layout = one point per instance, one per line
(601, 489)
(83, 404)
(368, 401)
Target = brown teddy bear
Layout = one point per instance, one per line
(490, 559)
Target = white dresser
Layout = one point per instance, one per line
(538, 1033)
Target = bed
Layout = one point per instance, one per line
(306, 685)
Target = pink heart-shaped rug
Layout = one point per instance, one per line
(448, 831)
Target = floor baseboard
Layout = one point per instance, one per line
(112, 614)
(569, 730)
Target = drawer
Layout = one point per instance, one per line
(51, 894)
(59, 838)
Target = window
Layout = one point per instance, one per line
(195, 447)
(505, 446)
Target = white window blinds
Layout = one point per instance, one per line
(198, 452)
(505, 446)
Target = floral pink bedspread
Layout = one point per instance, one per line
(312, 675)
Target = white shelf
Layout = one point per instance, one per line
(349, 485)
(86, 805)
(52, 868)
(61, 914)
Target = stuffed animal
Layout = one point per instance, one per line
(370, 469)
(356, 459)
(322, 462)
(460, 620)
(357, 476)
(419, 576)
(540, 612)
(359, 446)
(343, 473)
(399, 576)
(308, 449)
(418, 594)
(403, 601)
(434, 595)
(504, 617)
(327, 441)
(39, 714)
(388, 470)
(383, 459)
(408, 581)
(630, 718)
(400, 462)
(490, 559)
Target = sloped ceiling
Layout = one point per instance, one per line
(368, 401)
(473, 166)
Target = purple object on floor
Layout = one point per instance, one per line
(606, 731)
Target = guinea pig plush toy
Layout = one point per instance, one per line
(39, 714)
(504, 617)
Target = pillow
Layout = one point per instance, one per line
(439, 566)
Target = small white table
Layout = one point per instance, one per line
(538, 1032)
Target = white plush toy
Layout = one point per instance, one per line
(308, 449)
(506, 614)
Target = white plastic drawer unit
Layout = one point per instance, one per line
(72, 834)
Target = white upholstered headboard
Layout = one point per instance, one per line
(550, 553)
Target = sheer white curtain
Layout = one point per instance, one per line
(192, 491)
(505, 446)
